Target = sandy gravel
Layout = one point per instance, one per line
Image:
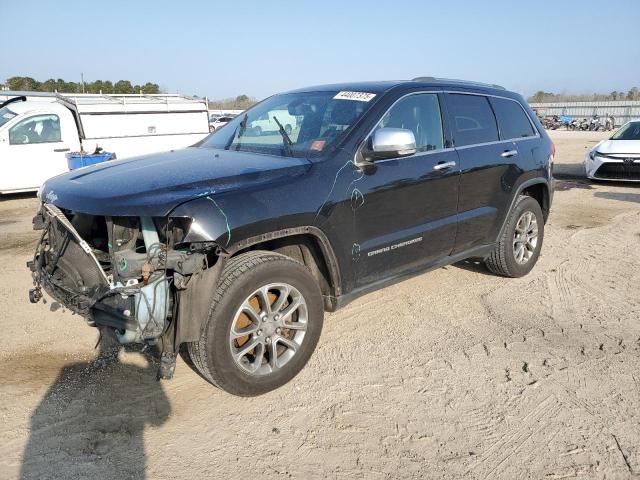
(455, 373)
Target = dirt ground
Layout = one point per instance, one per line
(455, 373)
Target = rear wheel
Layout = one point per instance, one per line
(264, 323)
(518, 249)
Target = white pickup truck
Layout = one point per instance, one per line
(36, 133)
(266, 123)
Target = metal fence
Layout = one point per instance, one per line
(622, 111)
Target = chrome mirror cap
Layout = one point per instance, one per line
(392, 142)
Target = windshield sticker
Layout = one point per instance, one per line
(357, 96)
(317, 145)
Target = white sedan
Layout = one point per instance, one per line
(216, 123)
(617, 158)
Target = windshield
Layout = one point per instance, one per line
(6, 115)
(631, 131)
(292, 124)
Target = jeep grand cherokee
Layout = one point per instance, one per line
(229, 252)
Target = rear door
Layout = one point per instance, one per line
(404, 212)
(515, 125)
(487, 169)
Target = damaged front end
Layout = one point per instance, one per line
(123, 273)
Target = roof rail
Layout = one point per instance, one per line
(460, 82)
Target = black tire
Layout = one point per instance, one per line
(502, 261)
(242, 275)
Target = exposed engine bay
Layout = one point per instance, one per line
(122, 273)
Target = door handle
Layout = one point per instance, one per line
(61, 149)
(444, 166)
(509, 153)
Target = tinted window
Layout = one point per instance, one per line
(38, 129)
(419, 113)
(512, 120)
(473, 120)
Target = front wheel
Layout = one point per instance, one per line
(264, 323)
(518, 249)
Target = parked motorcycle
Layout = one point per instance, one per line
(584, 124)
(609, 123)
(573, 125)
(551, 123)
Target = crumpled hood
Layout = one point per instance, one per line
(619, 147)
(153, 185)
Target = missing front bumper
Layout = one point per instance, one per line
(66, 267)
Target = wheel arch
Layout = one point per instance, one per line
(540, 192)
(307, 244)
(537, 188)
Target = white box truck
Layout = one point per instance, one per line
(36, 133)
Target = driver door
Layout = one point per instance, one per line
(36, 152)
(405, 210)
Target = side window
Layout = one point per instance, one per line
(473, 120)
(512, 120)
(37, 129)
(419, 113)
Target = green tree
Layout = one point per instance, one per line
(150, 88)
(23, 83)
(49, 85)
(540, 96)
(108, 87)
(633, 94)
(123, 86)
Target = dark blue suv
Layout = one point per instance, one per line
(229, 252)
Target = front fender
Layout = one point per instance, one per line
(209, 221)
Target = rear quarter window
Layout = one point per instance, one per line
(472, 119)
(512, 120)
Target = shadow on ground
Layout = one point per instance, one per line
(17, 196)
(568, 171)
(90, 423)
(623, 197)
(474, 265)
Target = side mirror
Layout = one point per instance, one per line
(390, 143)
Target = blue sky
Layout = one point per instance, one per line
(223, 49)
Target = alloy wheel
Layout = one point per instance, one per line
(525, 238)
(268, 329)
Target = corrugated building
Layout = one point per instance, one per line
(622, 111)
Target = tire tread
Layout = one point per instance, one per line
(496, 261)
(235, 268)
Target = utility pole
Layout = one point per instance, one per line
(82, 81)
